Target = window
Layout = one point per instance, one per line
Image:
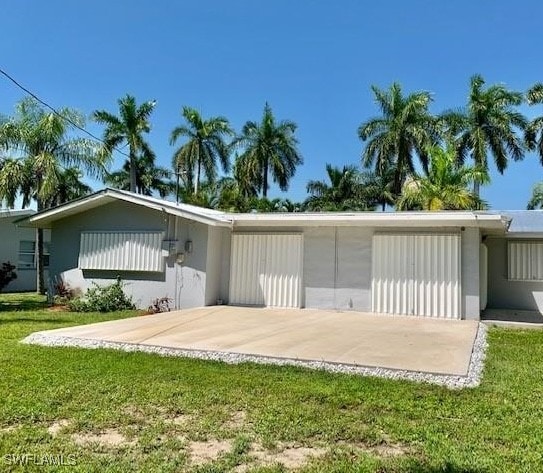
(121, 251)
(525, 260)
(27, 254)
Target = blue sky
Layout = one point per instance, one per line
(313, 61)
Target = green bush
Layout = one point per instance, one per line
(7, 274)
(103, 299)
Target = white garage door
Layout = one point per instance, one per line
(416, 275)
(266, 269)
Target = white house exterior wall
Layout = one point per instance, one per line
(337, 260)
(184, 284)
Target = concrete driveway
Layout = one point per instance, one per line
(394, 342)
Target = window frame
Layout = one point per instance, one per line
(33, 253)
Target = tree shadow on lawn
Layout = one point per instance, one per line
(22, 302)
(448, 467)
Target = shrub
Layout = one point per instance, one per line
(63, 292)
(103, 299)
(7, 274)
(161, 304)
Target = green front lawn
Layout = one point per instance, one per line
(104, 410)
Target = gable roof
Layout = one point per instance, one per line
(108, 195)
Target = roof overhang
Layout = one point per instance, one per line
(45, 218)
(489, 222)
(10, 213)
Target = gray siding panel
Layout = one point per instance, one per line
(319, 267)
(215, 263)
(337, 268)
(471, 241)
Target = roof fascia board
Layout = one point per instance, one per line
(108, 195)
(380, 220)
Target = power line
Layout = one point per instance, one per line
(56, 112)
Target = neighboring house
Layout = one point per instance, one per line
(415, 263)
(18, 246)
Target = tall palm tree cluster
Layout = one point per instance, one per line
(404, 148)
(412, 159)
(406, 134)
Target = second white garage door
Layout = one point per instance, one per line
(415, 274)
(266, 269)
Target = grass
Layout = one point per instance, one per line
(159, 407)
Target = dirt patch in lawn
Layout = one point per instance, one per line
(289, 455)
(204, 452)
(390, 450)
(181, 419)
(385, 449)
(237, 420)
(106, 438)
(9, 428)
(57, 426)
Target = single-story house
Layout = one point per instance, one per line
(435, 264)
(18, 246)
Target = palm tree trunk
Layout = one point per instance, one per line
(197, 181)
(40, 281)
(383, 206)
(132, 172)
(265, 179)
(476, 188)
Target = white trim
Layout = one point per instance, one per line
(385, 219)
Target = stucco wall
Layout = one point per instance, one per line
(190, 276)
(505, 294)
(183, 283)
(224, 285)
(10, 237)
(337, 268)
(218, 265)
(471, 241)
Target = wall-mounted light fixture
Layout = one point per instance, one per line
(188, 246)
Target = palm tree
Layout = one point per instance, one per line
(379, 188)
(404, 129)
(344, 192)
(269, 149)
(488, 124)
(43, 151)
(205, 146)
(445, 186)
(536, 201)
(70, 187)
(534, 129)
(149, 178)
(127, 129)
